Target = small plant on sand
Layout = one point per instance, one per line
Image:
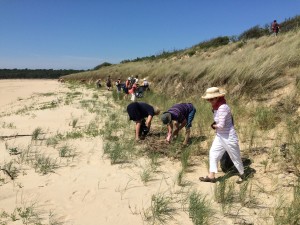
(185, 155)
(224, 194)
(285, 214)
(161, 209)
(53, 141)
(245, 194)
(29, 214)
(74, 122)
(199, 209)
(74, 135)
(265, 118)
(146, 174)
(115, 152)
(265, 164)
(44, 164)
(11, 169)
(13, 151)
(154, 159)
(66, 151)
(36, 133)
(180, 177)
(92, 128)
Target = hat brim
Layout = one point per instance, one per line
(210, 96)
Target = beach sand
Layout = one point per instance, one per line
(85, 189)
(73, 182)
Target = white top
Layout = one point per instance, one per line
(224, 123)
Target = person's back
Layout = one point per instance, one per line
(181, 111)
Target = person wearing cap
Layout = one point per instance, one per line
(137, 112)
(226, 138)
(182, 114)
(145, 84)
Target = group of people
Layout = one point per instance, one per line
(130, 87)
(181, 115)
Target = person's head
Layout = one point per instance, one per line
(275, 21)
(129, 78)
(213, 94)
(156, 110)
(166, 118)
(144, 79)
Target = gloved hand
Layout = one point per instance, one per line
(213, 124)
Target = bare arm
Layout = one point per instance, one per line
(148, 121)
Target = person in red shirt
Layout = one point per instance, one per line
(275, 27)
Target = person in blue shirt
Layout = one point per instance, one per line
(182, 114)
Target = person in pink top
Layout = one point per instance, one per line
(226, 138)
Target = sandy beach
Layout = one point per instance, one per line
(83, 189)
(56, 169)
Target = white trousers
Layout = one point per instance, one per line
(218, 148)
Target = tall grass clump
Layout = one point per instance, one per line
(224, 194)
(119, 152)
(66, 151)
(36, 133)
(200, 209)
(286, 214)
(44, 164)
(265, 118)
(161, 209)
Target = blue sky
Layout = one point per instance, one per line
(81, 34)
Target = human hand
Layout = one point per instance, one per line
(168, 139)
(212, 125)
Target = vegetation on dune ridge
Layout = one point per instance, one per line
(250, 67)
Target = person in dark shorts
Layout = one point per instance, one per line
(108, 83)
(137, 112)
(182, 114)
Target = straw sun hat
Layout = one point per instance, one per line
(213, 92)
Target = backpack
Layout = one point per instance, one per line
(228, 166)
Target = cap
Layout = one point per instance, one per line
(166, 118)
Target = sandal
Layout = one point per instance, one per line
(207, 179)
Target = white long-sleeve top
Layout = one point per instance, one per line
(224, 123)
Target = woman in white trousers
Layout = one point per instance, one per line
(226, 138)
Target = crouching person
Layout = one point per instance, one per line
(182, 114)
(141, 113)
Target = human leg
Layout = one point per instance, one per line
(233, 149)
(215, 154)
(187, 136)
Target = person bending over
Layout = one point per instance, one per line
(137, 112)
(179, 116)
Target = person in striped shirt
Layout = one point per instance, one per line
(182, 114)
(226, 138)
